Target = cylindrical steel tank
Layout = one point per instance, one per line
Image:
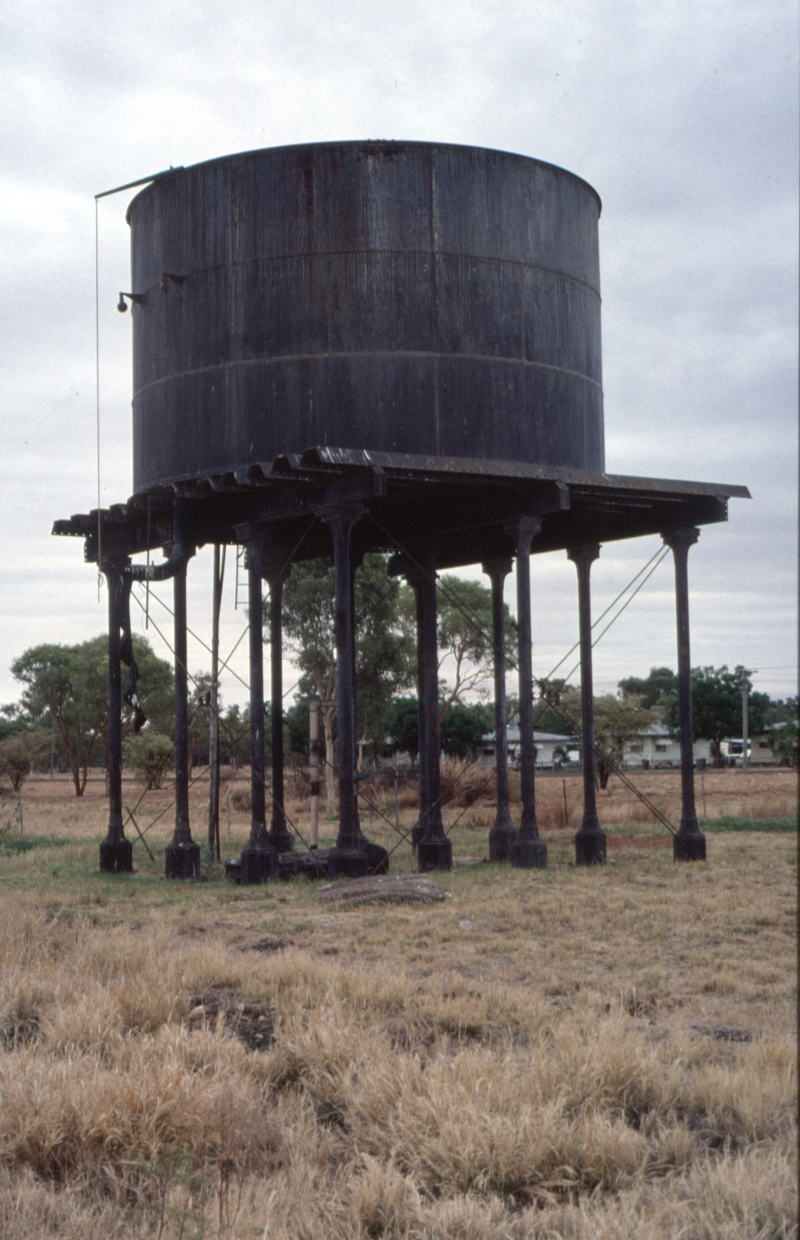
(393, 296)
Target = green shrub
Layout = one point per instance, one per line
(150, 754)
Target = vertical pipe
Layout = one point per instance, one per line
(590, 839)
(116, 852)
(528, 851)
(182, 855)
(279, 833)
(690, 843)
(502, 834)
(259, 860)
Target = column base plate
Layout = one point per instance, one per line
(590, 847)
(116, 857)
(501, 843)
(348, 863)
(436, 854)
(529, 855)
(182, 861)
(258, 865)
(689, 847)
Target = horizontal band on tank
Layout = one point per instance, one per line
(365, 353)
(235, 264)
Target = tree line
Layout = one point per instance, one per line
(62, 714)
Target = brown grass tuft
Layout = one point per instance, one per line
(565, 1053)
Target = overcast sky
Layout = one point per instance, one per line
(683, 116)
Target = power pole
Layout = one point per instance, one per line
(745, 692)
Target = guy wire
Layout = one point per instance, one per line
(97, 385)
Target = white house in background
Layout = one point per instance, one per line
(655, 747)
(551, 749)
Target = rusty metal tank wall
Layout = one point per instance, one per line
(405, 297)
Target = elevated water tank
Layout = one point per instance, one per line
(394, 296)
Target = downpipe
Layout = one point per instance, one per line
(181, 551)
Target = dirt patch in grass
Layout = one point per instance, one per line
(225, 1010)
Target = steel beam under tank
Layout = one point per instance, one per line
(466, 502)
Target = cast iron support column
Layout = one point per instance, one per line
(259, 859)
(690, 843)
(502, 834)
(356, 560)
(377, 856)
(353, 856)
(213, 731)
(434, 849)
(528, 852)
(590, 839)
(279, 834)
(182, 855)
(116, 852)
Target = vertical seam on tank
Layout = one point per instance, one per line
(435, 262)
(328, 302)
(436, 399)
(235, 306)
(523, 322)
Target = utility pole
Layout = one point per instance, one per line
(745, 692)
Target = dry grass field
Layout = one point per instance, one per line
(567, 1053)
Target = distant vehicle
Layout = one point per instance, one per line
(732, 751)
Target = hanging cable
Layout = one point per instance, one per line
(662, 554)
(97, 385)
(661, 551)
